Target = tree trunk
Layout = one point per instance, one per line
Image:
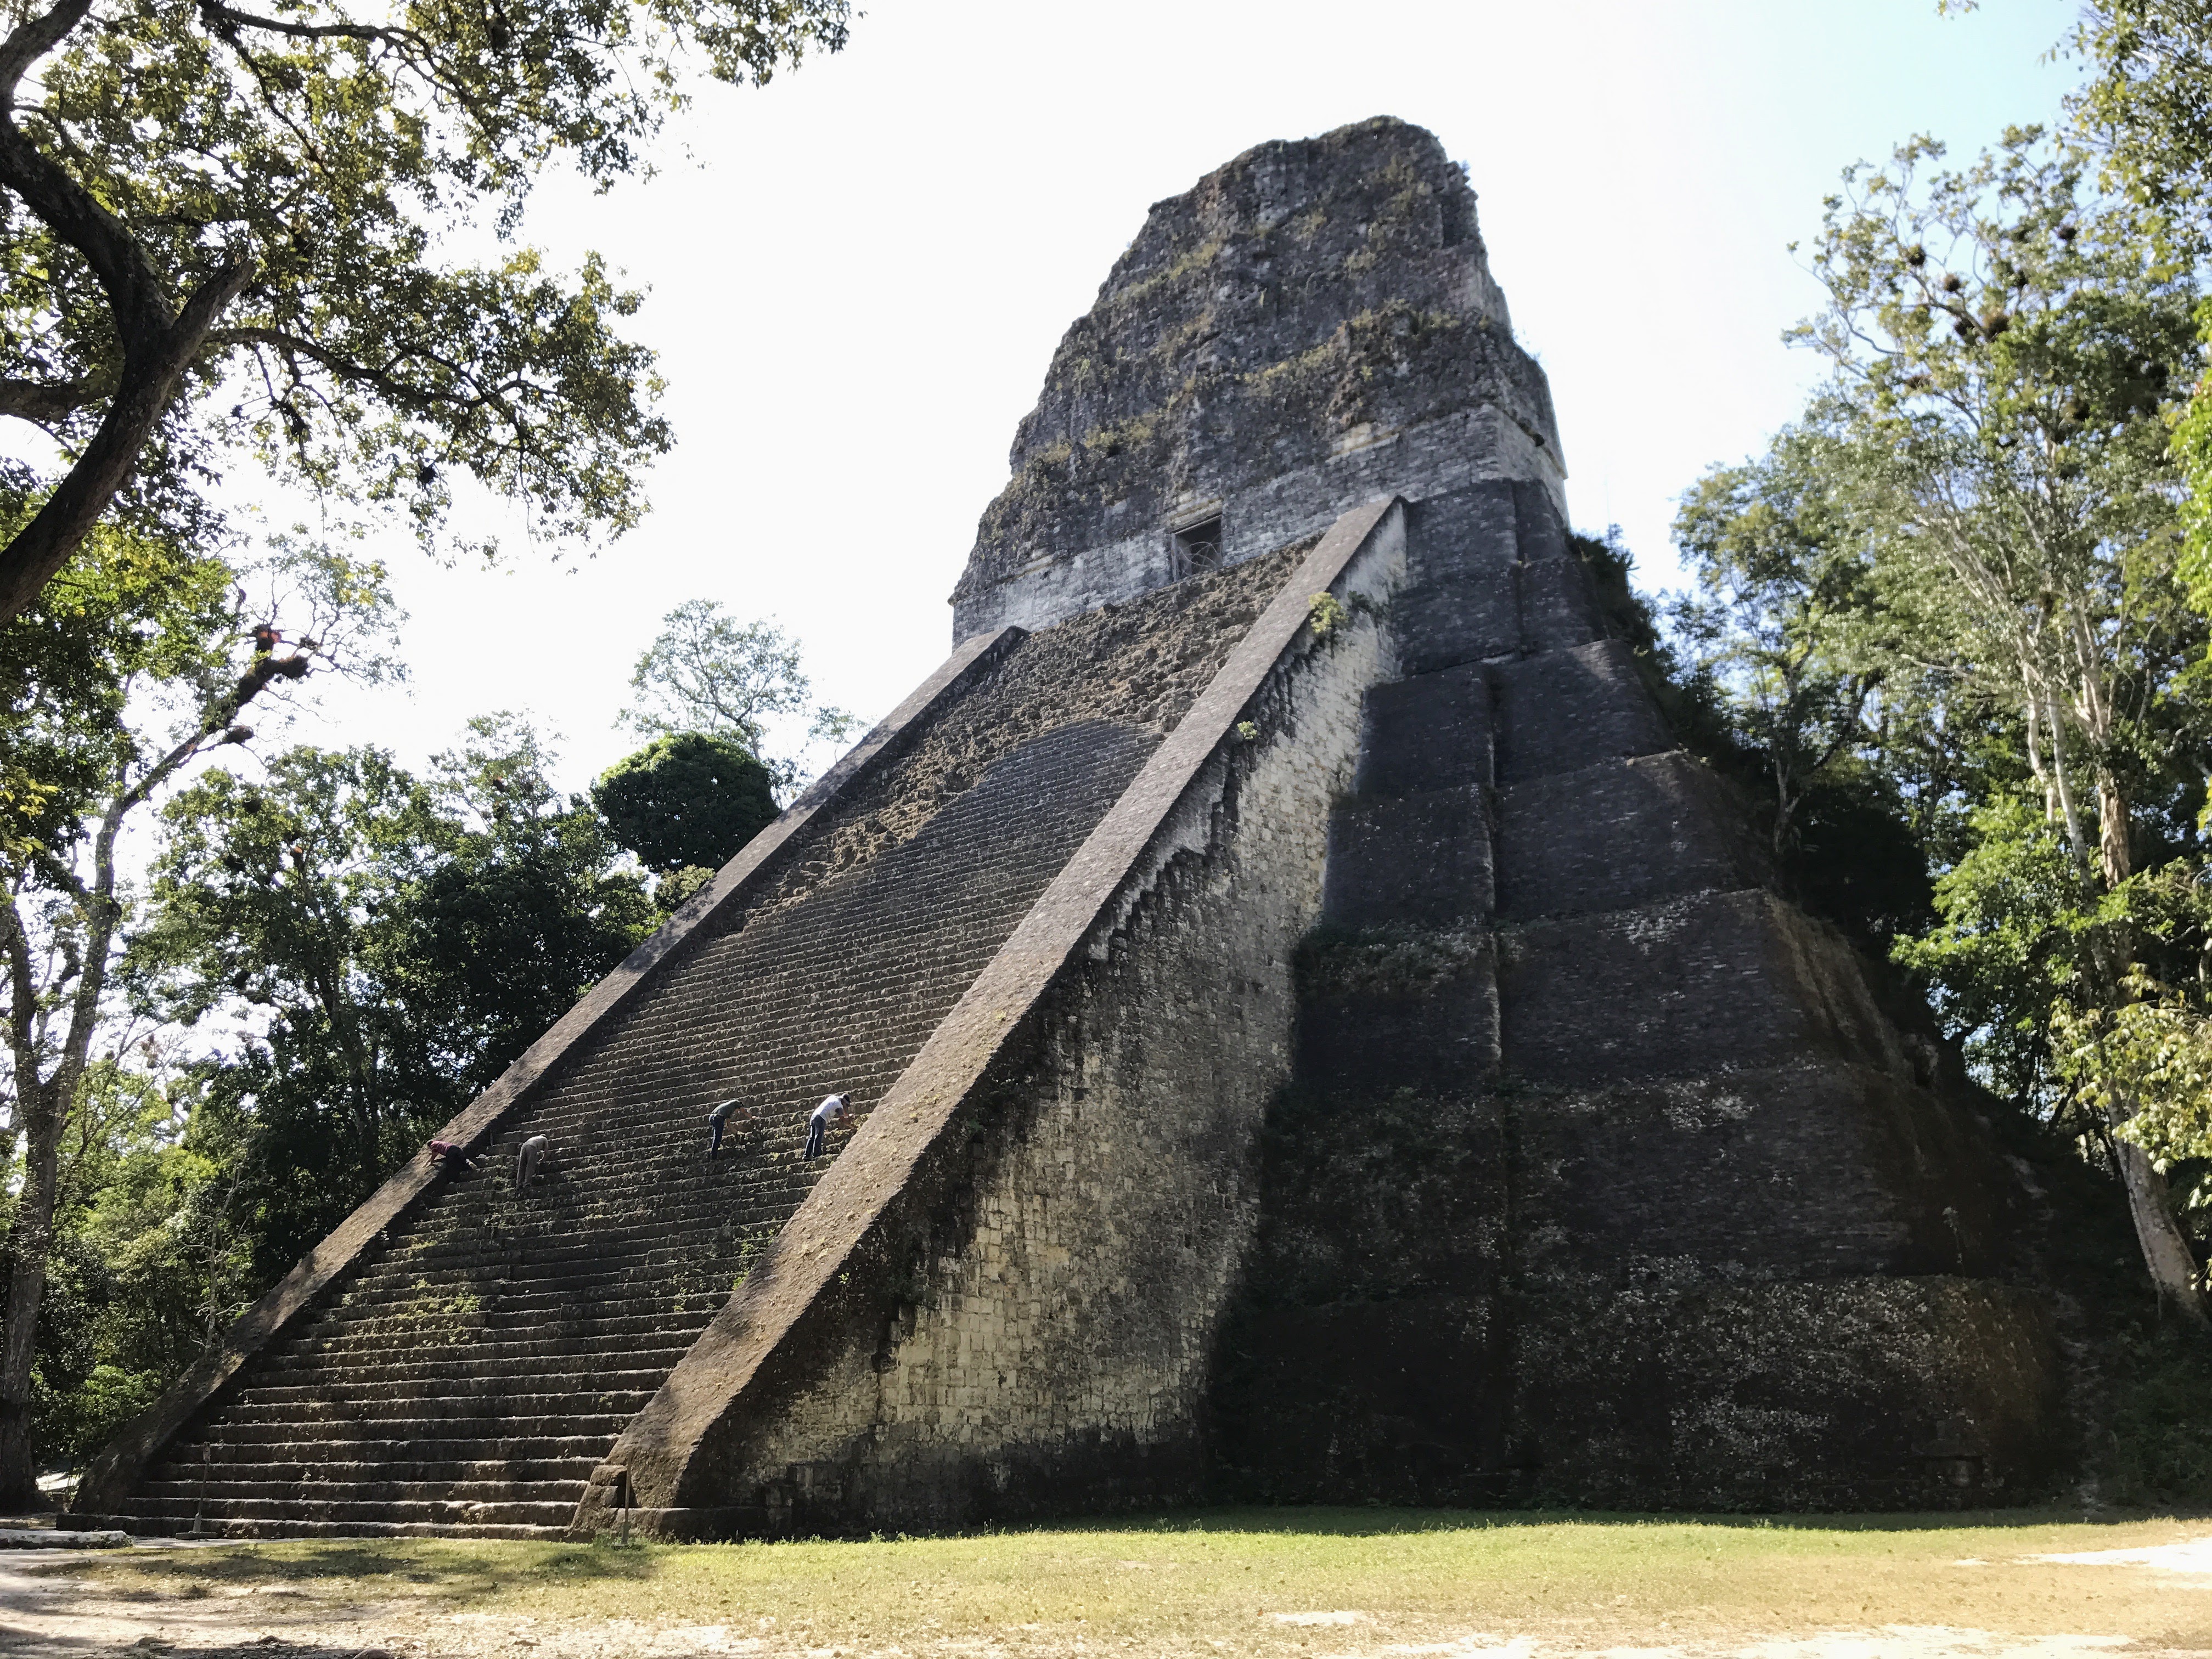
(31, 1245)
(2166, 1251)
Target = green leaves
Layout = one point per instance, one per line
(689, 800)
(386, 944)
(344, 155)
(708, 673)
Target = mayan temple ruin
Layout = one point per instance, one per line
(1317, 1034)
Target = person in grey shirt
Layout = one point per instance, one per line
(526, 1158)
(817, 1126)
(716, 1121)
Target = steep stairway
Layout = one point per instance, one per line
(469, 1374)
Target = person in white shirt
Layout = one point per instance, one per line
(817, 1126)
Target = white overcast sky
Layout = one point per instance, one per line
(858, 273)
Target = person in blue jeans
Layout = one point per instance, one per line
(717, 1120)
(817, 1126)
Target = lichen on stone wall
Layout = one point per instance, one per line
(1391, 962)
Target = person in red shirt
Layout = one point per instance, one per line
(452, 1158)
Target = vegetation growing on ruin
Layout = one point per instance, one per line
(1954, 595)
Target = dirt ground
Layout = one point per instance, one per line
(1344, 1584)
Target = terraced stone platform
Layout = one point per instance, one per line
(1318, 1034)
(478, 1359)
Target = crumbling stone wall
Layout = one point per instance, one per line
(1312, 326)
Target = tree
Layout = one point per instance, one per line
(383, 947)
(231, 229)
(707, 673)
(136, 664)
(2006, 340)
(2148, 106)
(1782, 575)
(1785, 641)
(145, 1267)
(686, 801)
(524, 911)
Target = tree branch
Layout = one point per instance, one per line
(225, 21)
(32, 41)
(45, 402)
(151, 371)
(134, 287)
(158, 343)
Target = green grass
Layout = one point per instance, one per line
(1211, 1582)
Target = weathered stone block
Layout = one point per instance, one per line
(1558, 610)
(1541, 533)
(1378, 1193)
(1568, 709)
(1848, 1392)
(1418, 1010)
(1388, 1402)
(1464, 619)
(1417, 860)
(1430, 731)
(1682, 988)
(1461, 534)
(1621, 833)
(1804, 1171)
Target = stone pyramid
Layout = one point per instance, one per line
(1317, 1034)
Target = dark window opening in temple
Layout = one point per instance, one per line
(1198, 547)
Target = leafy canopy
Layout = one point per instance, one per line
(687, 801)
(706, 672)
(2005, 342)
(268, 231)
(381, 947)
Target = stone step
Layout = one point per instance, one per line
(708, 1251)
(345, 1390)
(572, 1426)
(491, 1405)
(414, 1448)
(232, 1493)
(228, 1462)
(599, 1214)
(551, 1347)
(549, 1512)
(370, 1352)
(402, 1327)
(176, 1525)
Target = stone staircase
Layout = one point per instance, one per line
(471, 1372)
